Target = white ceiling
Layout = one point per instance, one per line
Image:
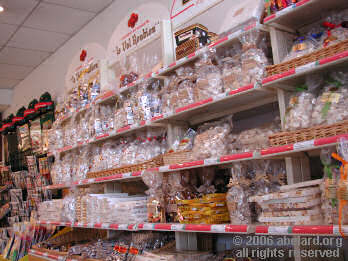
(31, 30)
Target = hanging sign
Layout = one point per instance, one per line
(138, 28)
(184, 10)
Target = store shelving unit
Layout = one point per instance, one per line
(223, 228)
(281, 27)
(267, 153)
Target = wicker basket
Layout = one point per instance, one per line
(153, 163)
(308, 58)
(177, 157)
(322, 131)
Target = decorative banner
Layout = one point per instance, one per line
(89, 53)
(137, 28)
(184, 10)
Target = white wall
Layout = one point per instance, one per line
(50, 75)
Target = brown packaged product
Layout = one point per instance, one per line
(209, 80)
(211, 139)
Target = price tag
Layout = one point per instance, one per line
(123, 227)
(336, 230)
(104, 225)
(278, 230)
(305, 67)
(148, 226)
(164, 169)
(177, 227)
(210, 161)
(304, 145)
(127, 175)
(218, 228)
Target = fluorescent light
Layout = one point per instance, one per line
(1, 9)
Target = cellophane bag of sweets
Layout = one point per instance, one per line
(209, 79)
(329, 187)
(231, 68)
(155, 205)
(335, 28)
(332, 102)
(185, 84)
(253, 60)
(211, 139)
(238, 195)
(298, 115)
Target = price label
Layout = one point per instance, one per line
(123, 227)
(278, 230)
(210, 161)
(304, 145)
(305, 67)
(104, 225)
(218, 228)
(178, 227)
(148, 226)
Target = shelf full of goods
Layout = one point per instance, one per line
(318, 101)
(182, 140)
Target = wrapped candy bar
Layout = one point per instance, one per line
(209, 81)
(211, 139)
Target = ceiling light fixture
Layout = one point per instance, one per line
(1, 9)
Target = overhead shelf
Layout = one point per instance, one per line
(272, 152)
(329, 230)
(304, 13)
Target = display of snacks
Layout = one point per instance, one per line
(299, 206)
(210, 140)
(210, 209)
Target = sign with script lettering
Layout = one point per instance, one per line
(137, 29)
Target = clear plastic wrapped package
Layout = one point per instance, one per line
(209, 79)
(301, 105)
(185, 86)
(231, 69)
(331, 104)
(155, 205)
(336, 28)
(253, 59)
(211, 139)
(257, 138)
(329, 187)
(237, 197)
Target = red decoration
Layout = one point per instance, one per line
(133, 20)
(83, 55)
